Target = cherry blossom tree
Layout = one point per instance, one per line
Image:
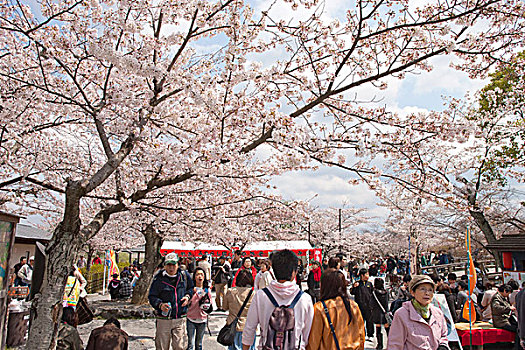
(235, 220)
(337, 230)
(452, 185)
(108, 103)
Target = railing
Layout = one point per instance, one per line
(95, 282)
(484, 266)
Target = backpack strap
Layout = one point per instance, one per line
(296, 299)
(331, 325)
(270, 296)
(274, 302)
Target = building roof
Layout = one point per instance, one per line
(509, 243)
(9, 217)
(27, 232)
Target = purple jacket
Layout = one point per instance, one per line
(409, 331)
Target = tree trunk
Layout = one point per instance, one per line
(90, 253)
(151, 261)
(61, 253)
(417, 270)
(484, 226)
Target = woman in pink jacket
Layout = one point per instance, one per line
(418, 325)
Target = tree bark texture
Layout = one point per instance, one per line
(61, 251)
(484, 226)
(151, 261)
(90, 254)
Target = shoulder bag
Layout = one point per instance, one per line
(387, 315)
(227, 333)
(331, 325)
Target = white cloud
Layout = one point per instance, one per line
(325, 187)
(444, 79)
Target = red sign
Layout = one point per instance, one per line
(315, 254)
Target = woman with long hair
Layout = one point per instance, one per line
(233, 301)
(343, 317)
(379, 303)
(198, 309)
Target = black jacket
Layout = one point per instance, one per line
(520, 307)
(363, 295)
(312, 283)
(218, 276)
(378, 316)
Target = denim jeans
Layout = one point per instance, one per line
(195, 334)
(237, 343)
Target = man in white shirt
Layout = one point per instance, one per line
(284, 290)
(26, 272)
(205, 265)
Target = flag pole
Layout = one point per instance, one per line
(469, 294)
(104, 277)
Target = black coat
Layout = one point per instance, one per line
(520, 306)
(378, 316)
(363, 295)
(312, 283)
(218, 276)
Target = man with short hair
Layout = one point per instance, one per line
(462, 296)
(108, 337)
(502, 310)
(284, 290)
(235, 265)
(82, 262)
(344, 267)
(205, 265)
(452, 279)
(170, 294)
(26, 272)
(221, 276)
(17, 267)
(362, 290)
(390, 264)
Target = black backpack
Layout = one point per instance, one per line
(280, 334)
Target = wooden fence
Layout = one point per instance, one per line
(488, 268)
(95, 282)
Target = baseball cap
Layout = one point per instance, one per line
(421, 279)
(171, 258)
(32, 257)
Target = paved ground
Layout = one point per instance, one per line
(142, 331)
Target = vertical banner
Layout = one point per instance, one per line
(111, 263)
(318, 255)
(469, 312)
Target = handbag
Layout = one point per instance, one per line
(387, 315)
(205, 303)
(331, 325)
(227, 333)
(71, 300)
(85, 315)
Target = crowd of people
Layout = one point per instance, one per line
(345, 303)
